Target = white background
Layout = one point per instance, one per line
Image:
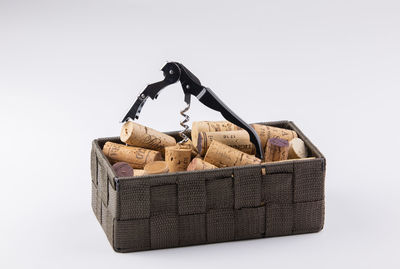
(70, 70)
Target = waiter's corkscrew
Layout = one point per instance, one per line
(191, 85)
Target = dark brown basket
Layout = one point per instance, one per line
(189, 208)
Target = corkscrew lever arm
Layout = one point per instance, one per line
(171, 75)
(191, 85)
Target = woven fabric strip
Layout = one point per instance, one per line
(112, 201)
(220, 225)
(279, 219)
(277, 188)
(103, 184)
(309, 181)
(132, 235)
(192, 229)
(107, 222)
(191, 195)
(163, 199)
(277, 168)
(134, 200)
(309, 217)
(247, 184)
(93, 165)
(250, 223)
(96, 203)
(220, 193)
(164, 231)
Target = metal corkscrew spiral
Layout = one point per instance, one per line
(186, 119)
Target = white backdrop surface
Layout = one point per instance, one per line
(69, 71)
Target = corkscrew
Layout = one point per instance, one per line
(191, 85)
(183, 123)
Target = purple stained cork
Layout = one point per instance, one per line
(277, 149)
(278, 142)
(122, 169)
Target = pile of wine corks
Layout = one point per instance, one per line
(214, 145)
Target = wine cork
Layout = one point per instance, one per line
(178, 157)
(277, 149)
(267, 132)
(236, 139)
(138, 135)
(222, 155)
(211, 126)
(136, 157)
(138, 172)
(297, 149)
(158, 167)
(122, 169)
(199, 164)
(189, 143)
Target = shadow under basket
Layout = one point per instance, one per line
(200, 207)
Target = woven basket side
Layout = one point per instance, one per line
(200, 208)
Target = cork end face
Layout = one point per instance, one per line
(199, 164)
(297, 149)
(122, 169)
(126, 131)
(178, 157)
(193, 164)
(138, 172)
(106, 148)
(158, 167)
(278, 142)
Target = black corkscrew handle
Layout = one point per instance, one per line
(191, 85)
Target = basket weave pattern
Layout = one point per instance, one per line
(189, 208)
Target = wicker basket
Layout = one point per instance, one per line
(190, 208)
